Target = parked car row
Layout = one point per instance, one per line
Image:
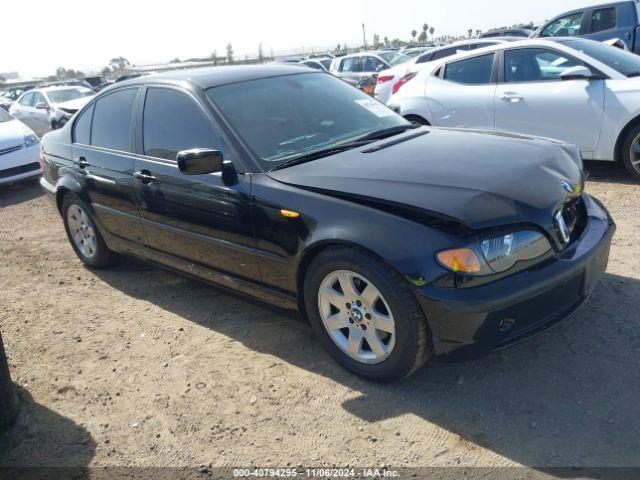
(575, 90)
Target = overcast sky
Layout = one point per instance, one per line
(84, 34)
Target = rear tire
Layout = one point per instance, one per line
(83, 234)
(370, 321)
(631, 153)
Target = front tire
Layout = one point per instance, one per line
(631, 153)
(84, 235)
(366, 315)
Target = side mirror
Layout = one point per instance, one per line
(577, 73)
(42, 106)
(199, 161)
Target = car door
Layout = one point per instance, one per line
(462, 94)
(22, 109)
(102, 146)
(198, 218)
(531, 98)
(40, 116)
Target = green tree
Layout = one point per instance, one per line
(470, 32)
(119, 63)
(413, 36)
(432, 31)
(386, 42)
(229, 54)
(214, 57)
(422, 39)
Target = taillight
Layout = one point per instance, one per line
(403, 80)
(384, 79)
(41, 160)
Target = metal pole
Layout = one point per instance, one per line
(8, 405)
(364, 37)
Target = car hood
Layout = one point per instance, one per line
(74, 105)
(12, 133)
(477, 179)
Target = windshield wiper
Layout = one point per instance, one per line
(389, 132)
(325, 152)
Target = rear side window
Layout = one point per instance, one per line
(112, 120)
(603, 19)
(535, 65)
(472, 71)
(567, 26)
(82, 127)
(173, 122)
(27, 100)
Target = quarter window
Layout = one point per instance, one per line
(603, 19)
(535, 65)
(567, 26)
(472, 71)
(173, 122)
(82, 127)
(112, 120)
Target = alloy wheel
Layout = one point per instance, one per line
(635, 153)
(356, 316)
(82, 233)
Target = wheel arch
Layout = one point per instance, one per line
(64, 186)
(417, 118)
(622, 136)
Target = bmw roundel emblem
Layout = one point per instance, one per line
(567, 187)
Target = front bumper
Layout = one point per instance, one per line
(20, 164)
(469, 322)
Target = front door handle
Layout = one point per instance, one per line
(81, 162)
(511, 97)
(145, 176)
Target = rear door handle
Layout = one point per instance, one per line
(81, 162)
(511, 97)
(145, 176)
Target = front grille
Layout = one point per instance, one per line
(10, 149)
(10, 172)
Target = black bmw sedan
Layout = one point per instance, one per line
(397, 242)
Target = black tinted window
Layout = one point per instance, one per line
(351, 64)
(603, 19)
(173, 122)
(447, 52)
(82, 127)
(372, 64)
(472, 71)
(112, 120)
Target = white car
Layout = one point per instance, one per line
(49, 108)
(392, 79)
(571, 89)
(19, 150)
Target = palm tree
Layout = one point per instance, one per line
(478, 32)
(470, 31)
(413, 35)
(431, 31)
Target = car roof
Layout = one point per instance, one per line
(590, 7)
(55, 88)
(207, 77)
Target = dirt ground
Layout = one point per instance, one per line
(140, 367)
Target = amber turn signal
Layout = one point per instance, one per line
(289, 214)
(462, 260)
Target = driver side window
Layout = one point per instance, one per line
(567, 26)
(372, 64)
(535, 65)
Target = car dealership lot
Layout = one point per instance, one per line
(138, 366)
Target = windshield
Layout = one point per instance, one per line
(60, 96)
(4, 116)
(394, 58)
(284, 117)
(624, 62)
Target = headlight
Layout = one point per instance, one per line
(30, 138)
(495, 255)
